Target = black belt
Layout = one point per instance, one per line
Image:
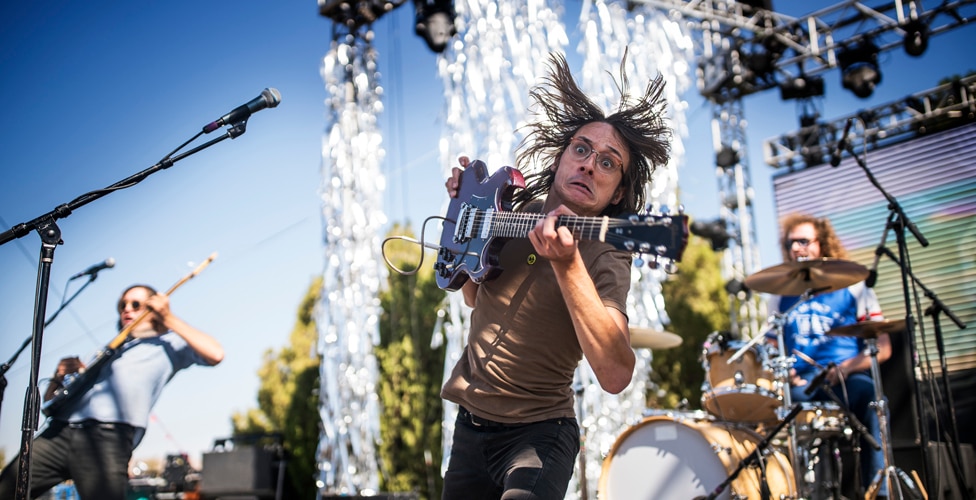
(466, 416)
(89, 423)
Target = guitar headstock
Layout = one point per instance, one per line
(658, 238)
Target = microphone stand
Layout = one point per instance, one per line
(4, 368)
(934, 311)
(899, 222)
(47, 228)
(754, 457)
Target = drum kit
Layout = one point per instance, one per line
(751, 441)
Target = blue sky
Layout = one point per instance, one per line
(96, 92)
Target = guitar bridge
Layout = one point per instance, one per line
(465, 226)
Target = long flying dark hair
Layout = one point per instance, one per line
(565, 108)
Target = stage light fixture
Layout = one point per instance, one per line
(714, 231)
(859, 68)
(801, 87)
(916, 37)
(435, 22)
(726, 157)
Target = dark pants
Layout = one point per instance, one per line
(95, 455)
(524, 461)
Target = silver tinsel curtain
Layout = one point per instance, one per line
(352, 217)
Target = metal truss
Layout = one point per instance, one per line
(744, 48)
(920, 113)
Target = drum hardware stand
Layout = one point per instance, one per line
(754, 458)
(894, 478)
(860, 430)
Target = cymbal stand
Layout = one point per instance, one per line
(899, 485)
(934, 310)
(781, 366)
(781, 373)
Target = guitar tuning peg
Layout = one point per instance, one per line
(638, 261)
(670, 267)
(652, 264)
(681, 209)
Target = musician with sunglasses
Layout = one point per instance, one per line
(556, 299)
(91, 440)
(842, 362)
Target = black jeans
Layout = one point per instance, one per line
(522, 461)
(94, 454)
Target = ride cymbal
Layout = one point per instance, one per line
(868, 329)
(649, 338)
(816, 275)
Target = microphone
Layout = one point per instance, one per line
(93, 270)
(815, 383)
(873, 272)
(841, 145)
(269, 98)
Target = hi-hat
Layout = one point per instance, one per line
(816, 275)
(868, 329)
(649, 338)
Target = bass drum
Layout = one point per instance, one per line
(664, 457)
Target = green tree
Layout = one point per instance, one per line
(410, 374)
(288, 400)
(697, 305)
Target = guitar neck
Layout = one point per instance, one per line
(498, 224)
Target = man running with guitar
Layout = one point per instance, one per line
(557, 298)
(90, 438)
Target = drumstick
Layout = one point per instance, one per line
(806, 358)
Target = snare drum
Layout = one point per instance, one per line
(665, 457)
(742, 391)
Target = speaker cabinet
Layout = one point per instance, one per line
(246, 472)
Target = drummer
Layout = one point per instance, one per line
(843, 360)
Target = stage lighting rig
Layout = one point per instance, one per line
(859, 68)
(356, 13)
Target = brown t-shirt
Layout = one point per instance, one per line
(522, 350)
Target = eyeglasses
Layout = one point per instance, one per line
(135, 304)
(803, 242)
(604, 161)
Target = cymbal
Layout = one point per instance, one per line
(649, 338)
(818, 275)
(868, 329)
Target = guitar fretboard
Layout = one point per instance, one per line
(483, 224)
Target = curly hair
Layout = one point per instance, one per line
(830, 246)
(565, 109)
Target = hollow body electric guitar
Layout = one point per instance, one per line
(77, 384)
(479, 221)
